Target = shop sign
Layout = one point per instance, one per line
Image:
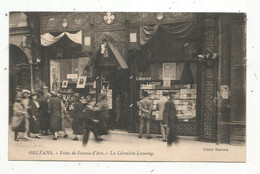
(143, 78)
(72, 76)
(147, 86)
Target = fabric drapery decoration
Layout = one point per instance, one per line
(179, 70)
(183, 30)
(193, 67)
(146, 33)
(47, 39)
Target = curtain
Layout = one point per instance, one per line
(146, 33)
(193, 67)
(47, 39)
(179, 70)
(183, 30)
(186, 30)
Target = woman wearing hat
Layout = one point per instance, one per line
(77, 115)
(19, 115)
(35, 117)
(26, 103)
(55, 109)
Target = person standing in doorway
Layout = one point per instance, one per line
(170, 117)
(162, 120)
(145, 106)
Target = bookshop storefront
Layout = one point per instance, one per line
(166, 62)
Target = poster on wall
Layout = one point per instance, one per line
(83, 61)
(169, 71)
(81, 82)
(54, 76)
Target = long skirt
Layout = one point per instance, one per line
(78, 125)
(55, 123)
(44, 121)
(34, 125)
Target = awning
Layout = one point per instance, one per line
(47, 39)
(118, 56)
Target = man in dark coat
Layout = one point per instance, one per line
(55, 109)
(145, 106)
(170, 118)
(77, 115)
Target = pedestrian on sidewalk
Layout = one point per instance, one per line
(55, 109)
(170, 117)
(44, 114)
(19, 116)
(77, 115)
(162, 120)
(90, 121)
(102, 115)
(26, 103)
(35, 115)
(145, 106)
(63, 115)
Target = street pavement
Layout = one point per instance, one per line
(121, 146)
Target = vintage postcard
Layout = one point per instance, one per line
(127, 86)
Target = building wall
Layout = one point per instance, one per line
(94, 26)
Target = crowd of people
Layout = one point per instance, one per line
(38, 114)
(42, 113)
(166, 116)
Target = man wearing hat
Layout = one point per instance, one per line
(163, 124)
(146, 106)
(170, 118)
(102, 116)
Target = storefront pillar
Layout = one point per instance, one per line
(132, 94)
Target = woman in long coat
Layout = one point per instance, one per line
(35, 116)
(55, 113)
(44, 114)
(19, 116)
(78, 117)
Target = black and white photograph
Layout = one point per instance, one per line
(127, 86)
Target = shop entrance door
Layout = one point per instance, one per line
(115, 84)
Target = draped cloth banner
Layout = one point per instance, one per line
(146, 33)
(184, 30)
(47, 39)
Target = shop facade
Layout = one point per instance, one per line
(200, 56)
